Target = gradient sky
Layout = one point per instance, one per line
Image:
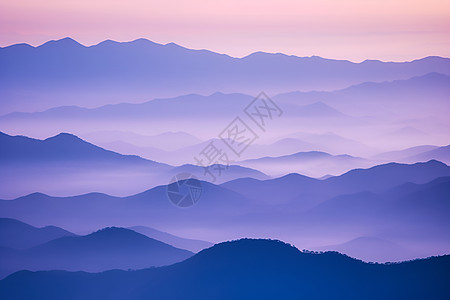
(355, 29)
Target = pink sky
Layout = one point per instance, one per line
(355, 30)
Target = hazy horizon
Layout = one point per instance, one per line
(96, 43)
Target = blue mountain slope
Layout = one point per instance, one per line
(373, 179)
(218, 203)
(312, 163)
(245, 269)
(153, 206)
(388, 175)
(62, 147)
(18, 235)
(176, 241)
(109, 248)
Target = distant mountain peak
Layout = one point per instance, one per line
(407, 131)
(313, 153)
(108, 43)
(64, 42)
(35, 195)
(320, 107)
(433, 162)
(294, 176)
(112, 231)
(262, 249)
(144, 42)
(64, 136)
(250, 245)
(174, 45)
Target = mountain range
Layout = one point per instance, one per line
(81, 167)
(106, 249)
(403, 119)
(312, 164)
(18, 235)
(387, 199)
(245, 269)
(96, 143)
(111, 71)
(176, 241)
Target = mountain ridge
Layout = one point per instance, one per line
(69, 40)
(261, 269)
(107, 248)
(106, 72)
(85, 167)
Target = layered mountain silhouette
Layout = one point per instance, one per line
(374, 98)
(313, 164)
(176, 241)
(332, 143)
(385, 115)
(372, 248)
(59, 148)
(181, 109)
(440, 153)
(109, 248)
(417, 154)
(282, 147)
(392, 198)
(400, 155)
(323, 171)
(395, 115)
(374, 179)
(67, 165)
(110, 71)
(425, 203)
(18, 235)
(245, 269)
(150, 208)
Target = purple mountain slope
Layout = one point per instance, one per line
(65, 164)
(332, 143)
(409, 112)
(414, 216)
(400, 155)
(380, 124)
(176, 241)
(109, 248)
(307, 192)
(274, 191)
(441, 154)
(284, 146)
(371, 248)
(151, 208)
(379, 96)
(313, 164)
(63, 72)
(146, 152)
(411, 215)
(305, 211)
(18, 235)
(216, 105)
(62, 147)
(389, 175)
